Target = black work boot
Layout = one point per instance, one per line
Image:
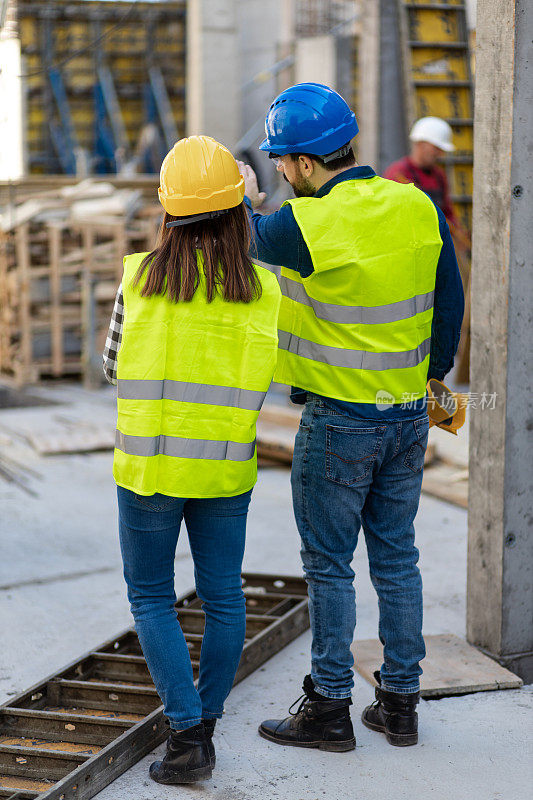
(209, 727)
(394, 715)
(187, 758)
(318, 722)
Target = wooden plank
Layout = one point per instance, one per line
(72, 441)
(54, 234)
(446, 482)
(23, 261)
(451, 667)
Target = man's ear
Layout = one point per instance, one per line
(307, 165)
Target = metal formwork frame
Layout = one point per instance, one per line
(69, 736)
(87, 89)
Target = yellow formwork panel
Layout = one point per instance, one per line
(82, 116)
(461, 179)
(170, 34)
(463, 212)
(124, 50)
(28, 32)
(443, 101)
(132, 111)
(463, 139)
(127, 37)
(432, 25)
(72, 36)
(438, 58)
(79, 74)
(35, 115)
(432, 63)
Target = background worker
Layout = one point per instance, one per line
(431, 139)
(194, 334)
(372, 304)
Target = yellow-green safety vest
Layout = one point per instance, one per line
(192, 377)
(359, 327)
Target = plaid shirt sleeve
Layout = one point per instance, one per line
(114, 337)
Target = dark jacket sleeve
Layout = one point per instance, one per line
(277, 240)
(448, 307)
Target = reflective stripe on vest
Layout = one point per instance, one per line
(177, 447)
(364, 315)
(203, 393)
(353, 359)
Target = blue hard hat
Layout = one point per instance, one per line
(308, 118)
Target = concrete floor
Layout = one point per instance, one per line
(62, 593)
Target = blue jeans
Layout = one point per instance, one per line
(149, 529)
(349, 473)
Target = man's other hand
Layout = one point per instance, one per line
(251, 189)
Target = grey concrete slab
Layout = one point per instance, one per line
(62, 592)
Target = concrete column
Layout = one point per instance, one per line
(213, 70)
(287, 21)
(368, 112)
(316, 60)
(500, 552)
(12, 128)
(393, 142)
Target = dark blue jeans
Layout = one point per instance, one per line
(349, 473)
(149, 529)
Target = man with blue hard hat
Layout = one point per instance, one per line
(372, 308)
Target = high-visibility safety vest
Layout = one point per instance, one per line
(192, 377)
(359, 327)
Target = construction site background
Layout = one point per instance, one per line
(94, 93)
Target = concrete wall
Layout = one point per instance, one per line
(213, 66)
(316, 60)
(369, 75)
(500, 555)
(11, 110)
(471, 13)
(261, 24)
(259, 36)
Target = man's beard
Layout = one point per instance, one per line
(302, 187)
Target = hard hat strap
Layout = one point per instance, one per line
(342, 151)
(196, 218)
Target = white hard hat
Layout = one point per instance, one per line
(433, 130)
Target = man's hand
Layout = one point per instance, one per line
(251, 189)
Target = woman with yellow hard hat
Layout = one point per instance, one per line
(194, 339)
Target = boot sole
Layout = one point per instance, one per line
(331, 747)
(396, 739)
(191, 776)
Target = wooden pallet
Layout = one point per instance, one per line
(57, 286)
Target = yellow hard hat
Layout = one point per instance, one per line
(199, 175)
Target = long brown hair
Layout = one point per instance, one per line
(224, 243)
